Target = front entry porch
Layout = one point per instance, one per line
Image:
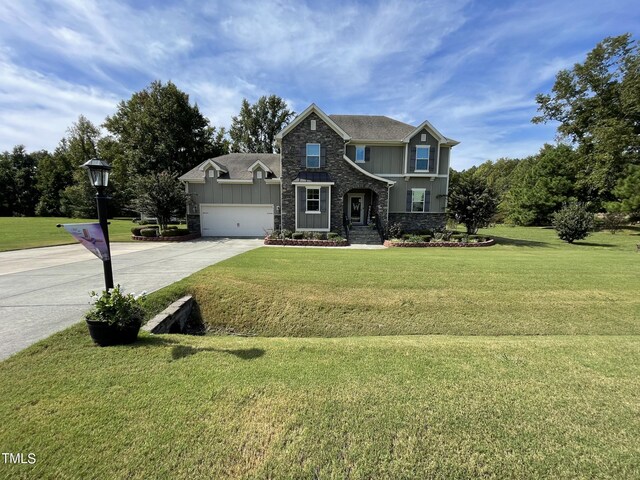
(360, 208)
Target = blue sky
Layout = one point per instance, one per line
(472, 68)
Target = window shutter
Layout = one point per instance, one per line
(367, 154)
(409, 199)
(323, 199)
(427, 201)
(302, 199)
(302, 156)
(323, 157)
(412, 159)
(432, 159)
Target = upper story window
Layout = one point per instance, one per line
(417, 199)
(313, 155)
(422, 158)
(360, 154)
(313, 200)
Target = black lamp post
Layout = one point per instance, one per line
(99, 176)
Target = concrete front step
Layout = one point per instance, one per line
(364, 236)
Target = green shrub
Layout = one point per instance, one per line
(414, 238)
(573, 222)
(171, 227)
(393, 230)
(274, 234)
(298, 235)
(426, 238)
(136, 231)
(175, 232)
(317, 236)
(149, 232)
(286, 233)
(333, 236)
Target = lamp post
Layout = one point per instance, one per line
(99, 176)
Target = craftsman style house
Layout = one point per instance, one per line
(334, 173)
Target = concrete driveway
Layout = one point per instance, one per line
(44, 290)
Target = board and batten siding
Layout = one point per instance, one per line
(444, 160)
(436, 188)
(316, 221)
(382, 159)
(257, 193)
(431, 141)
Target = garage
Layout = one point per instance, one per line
(236, 220)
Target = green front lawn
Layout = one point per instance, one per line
(17, 233)
(521, 404)
(529, 284)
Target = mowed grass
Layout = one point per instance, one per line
(528, 284)
(17, 233)
(500, 394)
(363, 407)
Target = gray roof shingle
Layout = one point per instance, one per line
(372, 127)
(237, 164)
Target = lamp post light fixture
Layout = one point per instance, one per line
(98, 171)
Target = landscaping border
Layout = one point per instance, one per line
(305, 242)
(181, 238)
(487, 243)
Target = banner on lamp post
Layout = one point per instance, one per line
(91, 236)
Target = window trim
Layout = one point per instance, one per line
(313, 156)
(424, 199)
(364, 154)
(307, 200)
(428, 148)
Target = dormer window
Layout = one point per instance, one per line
(422, 158)
(313, 155)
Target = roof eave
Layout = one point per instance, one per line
(313, 108)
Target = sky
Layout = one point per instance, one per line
(472, 68)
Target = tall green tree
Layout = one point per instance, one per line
(80, 145)
(627, 193)
(19, 193)
(471, 202)
(255, 128)
(540, 185)
(159, 129)
(55, 173)
(597, 105)
(162, 196)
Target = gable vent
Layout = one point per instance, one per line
(313, 124)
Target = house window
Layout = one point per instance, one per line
(259, 174)
(360, 154)
(212, 172)
(422, 158)
(417, 199)
(313, 200)
(313, 155)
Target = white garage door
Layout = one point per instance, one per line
(236, 220)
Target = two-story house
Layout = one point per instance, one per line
(334, 172)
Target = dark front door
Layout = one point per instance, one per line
(356, 205)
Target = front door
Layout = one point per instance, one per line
(356, 209)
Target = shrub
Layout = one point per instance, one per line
(614, 221)
(171, 227)
(116, 308)
(149, 232)
(333, 236)
(317, 236)
(286, 233)
(573, 222)
(136, 231)
(414, 238)
(393, 230)
(426, 238)
(273, 235)
(298, 235)
(175, 232)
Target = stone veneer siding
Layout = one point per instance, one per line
(346, 177)
(419, 221)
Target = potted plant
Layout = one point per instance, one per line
(115, 318)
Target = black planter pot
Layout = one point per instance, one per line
(106, 335)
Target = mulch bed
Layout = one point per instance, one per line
(487, 243)
(305, 242)
(182, 238)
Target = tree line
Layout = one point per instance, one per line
(151, 139)
(596, 162)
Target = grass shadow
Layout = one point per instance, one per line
(182, 351)
(518, 242)
(592, 244)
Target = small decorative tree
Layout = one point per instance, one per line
(472, 202)
(162, 196)
(573, 222)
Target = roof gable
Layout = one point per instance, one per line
(313, 108)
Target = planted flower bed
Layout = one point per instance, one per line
(306, 239)
(442, 240)
(172, 234)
